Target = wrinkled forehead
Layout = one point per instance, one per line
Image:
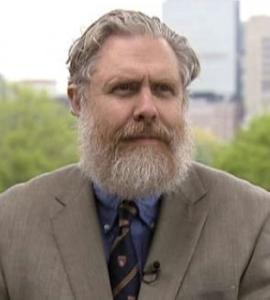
(128, 54)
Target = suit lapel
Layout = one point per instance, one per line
(78, 237)
(180, 225)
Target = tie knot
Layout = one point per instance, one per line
(127, 212)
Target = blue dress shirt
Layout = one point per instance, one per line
(142, 227)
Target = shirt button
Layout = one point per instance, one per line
(107, 227)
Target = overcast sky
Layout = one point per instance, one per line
(35, 35)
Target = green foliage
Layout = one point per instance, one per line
(248, 156)
(207, 146)
(36, 135)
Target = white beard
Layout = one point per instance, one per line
(134, 171)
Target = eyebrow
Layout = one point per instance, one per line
(173, 83)
(135, 78)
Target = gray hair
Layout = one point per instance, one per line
(83, 53)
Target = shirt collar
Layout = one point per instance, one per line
(108, 205)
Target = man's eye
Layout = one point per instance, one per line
(125, 89)
(163, 90)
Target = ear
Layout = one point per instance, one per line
(74, 99)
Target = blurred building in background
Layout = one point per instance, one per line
(46, 85)
(213, 29)
(219, 118)
(257, 66)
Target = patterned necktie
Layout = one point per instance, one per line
(123, 263)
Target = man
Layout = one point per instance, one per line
(136, 219)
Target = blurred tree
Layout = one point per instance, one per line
(36, 135)
(248, 156)
(207, 146)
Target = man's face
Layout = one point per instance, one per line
(137, 80)
(132, 124)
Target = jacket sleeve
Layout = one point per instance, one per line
(3, 289)
(255, 282)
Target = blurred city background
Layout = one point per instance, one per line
(229, 102)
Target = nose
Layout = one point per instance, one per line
(146, 107)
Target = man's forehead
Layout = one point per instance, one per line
(135, 74)
(134, 56)
(128, 44)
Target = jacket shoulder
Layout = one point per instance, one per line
(227, 185)
(39, 189)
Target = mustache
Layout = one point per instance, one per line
(145, 130)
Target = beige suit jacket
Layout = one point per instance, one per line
(212, 241)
